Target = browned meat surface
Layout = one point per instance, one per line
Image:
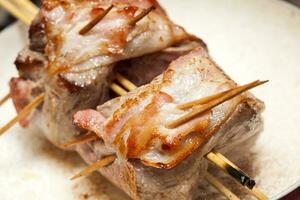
(111, 40)
(31, 64)
(22, 91)
(75, 70)
(144, 69)
(134, 128)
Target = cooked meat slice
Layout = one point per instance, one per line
(66, 97)
(55, 44)
(114, 38)
(22, 92)
(134, 128)
(31, 64)
(63, 99)
(138, 127)
(144, 69)
(140, 70)
(142, 182)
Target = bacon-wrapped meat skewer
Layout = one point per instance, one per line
(74, 70)
(157, 156)
(78, 49)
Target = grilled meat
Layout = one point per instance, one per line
(75, 70)
(144, 69)
(111, 40)
(134, 127)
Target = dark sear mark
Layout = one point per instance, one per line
(241, 177)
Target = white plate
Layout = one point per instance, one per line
(257, 39)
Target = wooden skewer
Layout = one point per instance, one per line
(220, 187)
(241, 177)
(29, 6)
(6, 4)
(97, 165)
(141, 16)
(117, 89)
(80, 140)
(201, 109)
(125, 82)
(227, 167)
(4, 99)
(205, 100)
(95, 21)
(27, 109)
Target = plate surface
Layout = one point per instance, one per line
(257, 39)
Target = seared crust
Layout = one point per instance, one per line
(55, 46)
(111, 40)
(31, 64)
(37, 35)
(243, 122)
(137, 126)
(180, 182)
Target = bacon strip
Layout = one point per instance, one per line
(137, 125)
(114, 38)
(21, 91)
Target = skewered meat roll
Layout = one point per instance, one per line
(74, 69)
(72, 59)
(154, 158)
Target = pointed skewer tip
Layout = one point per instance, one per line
(141, 15)
(95, 21)
(221, 98)
(265, 81)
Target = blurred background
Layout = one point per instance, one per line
(6, 19)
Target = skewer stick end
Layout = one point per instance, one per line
(262, 82)
(141, 15)
(97, 165)
(95, 21)
(23, 113)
